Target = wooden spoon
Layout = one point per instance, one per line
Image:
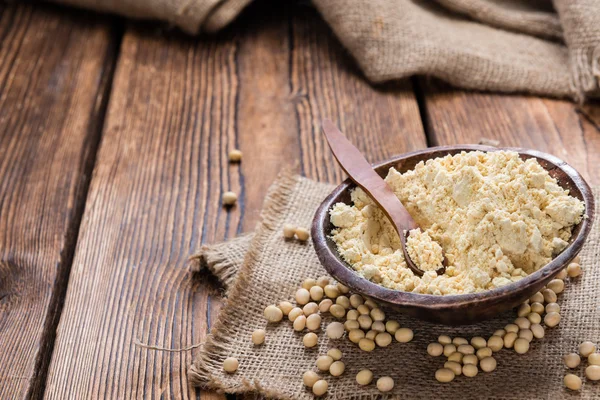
(361, 172)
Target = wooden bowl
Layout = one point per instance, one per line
(453, 309)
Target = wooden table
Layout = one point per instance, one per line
(113, 159)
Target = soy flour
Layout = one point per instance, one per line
(498, 218)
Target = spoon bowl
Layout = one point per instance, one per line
(362, 174)
(453, 309)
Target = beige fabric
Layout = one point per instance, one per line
(396, 39)
(531, 17)
(193, 16)
(274, 268)
(222, 261)
(498, 45)
(581, 24)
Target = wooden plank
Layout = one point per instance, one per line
(325, 82)
(52, 101)
(557, 127)
(294, 72)
(178, 105)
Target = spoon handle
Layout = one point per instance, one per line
(362, 173)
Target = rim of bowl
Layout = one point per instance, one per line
(342, 271)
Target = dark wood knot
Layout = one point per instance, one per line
(10, 283)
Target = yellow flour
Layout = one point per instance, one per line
(497, 218)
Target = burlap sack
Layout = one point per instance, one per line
(273, 269)
(478, 44)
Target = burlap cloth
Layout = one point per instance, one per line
(500, 45)
(262, 268)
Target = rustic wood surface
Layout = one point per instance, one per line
(113, 244)
(160, 172)
(52, 98)
(557, 127)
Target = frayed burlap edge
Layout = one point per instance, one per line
(274, 206)
(222, 261)
(585, 73)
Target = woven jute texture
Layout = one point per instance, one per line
(500, 45)
(273, 269)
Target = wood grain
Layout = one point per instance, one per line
(154, 195)
(557, 127)
(325, 83)
(178, 105)
(52, 99)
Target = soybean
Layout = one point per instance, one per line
(323, 281)
(229, 198)
(230, 365)
(310, 340)
(454, 367)
(593, 372)
(484, 352)
(235, 155)
(572, 382)
(323, 363)
(444, 340)
(552, 307)
(470, 370)
(316, 293)
(574, 270)
(313, 322)
(337, 311)
(556, 285)
(331, 291)
(364, 377)
(310, 308)
(337, 368)
(444, 375)
(549, 296)
(334, 353)
(310, 378)
(302, 234)
(302, 296)
(352, 315)
(385, 384)
(335, 330)
(478, 342)
(404, 335)
(258, 336)
(319, 388)
(295, 313)
(449, 349)
(552, 319)
(435, 349)
(273, 313)
(572, 360)
(594, 359)
(488, 364)
(356, 335)
(383, 339)
(509, 339)
(526, 334)
(456, 357)
(521, 346)
(286, 307)
(586, 348)
(343, 301)
(496, 343)
(355, 301)
(537, 330)
(366, 344)
(325, 305)
(289, 231)
(299, 323)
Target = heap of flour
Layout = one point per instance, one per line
(498, 218)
